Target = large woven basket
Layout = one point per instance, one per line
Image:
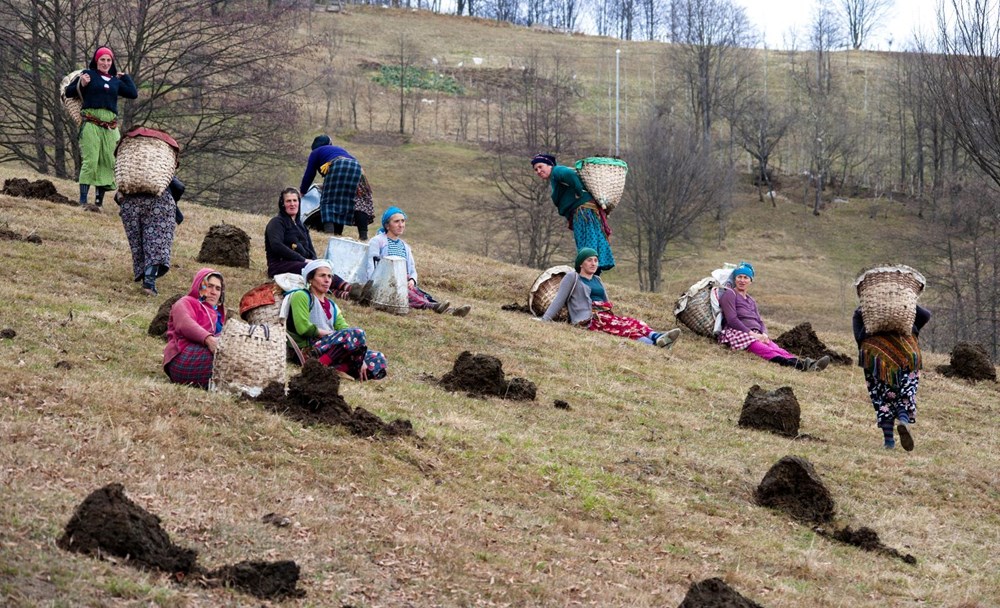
(604, 178)
(697, 313)
(544, 290)
(248, 358)
(888, 295)
(261, 305)
(73, 105)
(145, 162)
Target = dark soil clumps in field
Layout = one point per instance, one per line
(866, 539)
(63, 364)
(226, 245)
(314, 398)
(715, 593)
(6, 234)
(793, 486)
(515, 307)
(7, 334)
(804, 342)
(158, 326)
(108, 523)
(481, 375)
(41, 189)
(559, 404)
(776, 411)
(969, 361)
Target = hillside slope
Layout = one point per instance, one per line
(644, 486)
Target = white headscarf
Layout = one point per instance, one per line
(290, 282)
(313, 265)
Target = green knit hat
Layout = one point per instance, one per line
(582, 255)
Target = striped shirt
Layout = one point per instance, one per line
(396, 248)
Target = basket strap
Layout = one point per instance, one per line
(253, 328)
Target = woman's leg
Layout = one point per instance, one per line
(626, 327)
(343, 350)
(158, 223)
(129, 212)
(420, 299)
(192, 366)
(361, 221)
(885, 415)
(771, 351)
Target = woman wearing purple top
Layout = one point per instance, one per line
(743, 329)
(344, 184)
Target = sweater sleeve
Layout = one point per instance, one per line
(562, 296)
(274, 235)
(312, 166)
(411, 264)
(923, 316)
(127, 88)
(858, 324)
(728, 305)
(300, 315)
(185, 324)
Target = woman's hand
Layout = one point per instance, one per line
(322, 333)
(85, 80)
(411, 283)
(212, 343)
(761, 337)
(363, 373)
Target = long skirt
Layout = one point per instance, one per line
(626, 327)
(420, 299)
(588, 232)
(192, 366)
(149, 223)
(97, 151)
(346, 350)
(890, 400)
(340, 187)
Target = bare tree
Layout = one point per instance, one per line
(673, 181)
(404, 57)
(863, 17)
(758, 130)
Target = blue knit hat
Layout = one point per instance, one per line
(743, 268)
(582, 255)
(391, 211)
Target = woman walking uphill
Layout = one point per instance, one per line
(343, 182)
(99, 88)
(586, 219)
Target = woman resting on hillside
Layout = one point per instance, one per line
(586, 299)
(346, 196)
(892, 362)
(192, 329)
(321, 331)
(586, 218)
(389, 241)
(743, 329)
(289, 247)
(99, 87)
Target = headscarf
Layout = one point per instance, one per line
(101, 52)
(313, 265)
(582, 255)
(391, 211)
(546, 159)
(743, 268)
(321, 140)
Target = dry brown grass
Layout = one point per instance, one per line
(644, 486)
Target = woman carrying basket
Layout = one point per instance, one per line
(586, 219)
(99, 88)
(346, 196)
(891, 362)
(321, 331)
(583, 294)
(195, 322)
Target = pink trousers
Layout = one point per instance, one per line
(768, 351)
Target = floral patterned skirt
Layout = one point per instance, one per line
(610, 323)
(346, 350)
(890, 400)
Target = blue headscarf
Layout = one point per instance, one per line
(743, 268)
(391, 211)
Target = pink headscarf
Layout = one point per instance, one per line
(101, 52)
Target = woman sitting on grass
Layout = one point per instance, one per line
(743, 329)
(192, 329)
(586, 299)
(321, 331)
(389, 241)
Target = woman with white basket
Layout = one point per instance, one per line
(195, 322)
(586, 218)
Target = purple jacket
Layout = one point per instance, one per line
(740, 312)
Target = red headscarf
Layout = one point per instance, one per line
(101, 52)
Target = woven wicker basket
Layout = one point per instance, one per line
(264, 315)
(73, 105)
(697, 314)
(604, 178)
(888, 297)
(544, 290)
(249, 357)
(144, 165)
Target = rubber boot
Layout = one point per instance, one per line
(84, 191)
(100, 196)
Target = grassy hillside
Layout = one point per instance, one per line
(644, 486)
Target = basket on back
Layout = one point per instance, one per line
(695, 311)
(604, 178)
(262, 305)
(248, 358)
(73, 105)
(145, 161)
(543, 291)
(888, 295)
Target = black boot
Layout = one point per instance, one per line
(149, 280)
(100, 196)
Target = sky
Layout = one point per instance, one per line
(776, 18)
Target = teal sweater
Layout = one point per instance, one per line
(568, 192)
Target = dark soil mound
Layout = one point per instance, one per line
(226, 245)
(41, 189)
(715, 593)
(793, 486)
(314, 398)
(804, 342)
(107, 522)
(776, 411)
(867, 539)
(158, 326)
(483, 375)
(969, 361)
(267, 580)
(515, 307)
(559, 404)
(6, 234)
(7, 334)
